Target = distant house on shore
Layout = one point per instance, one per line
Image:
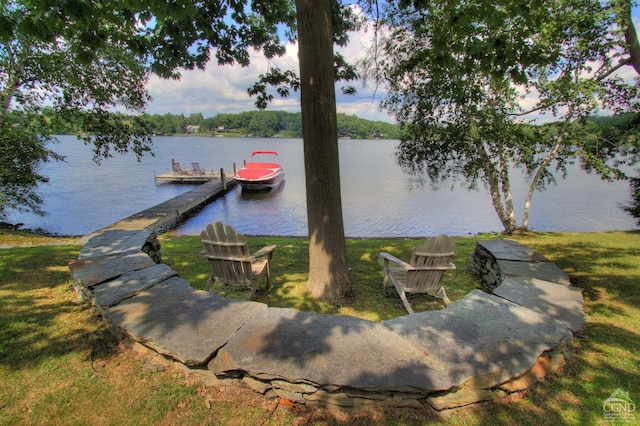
(190, 128)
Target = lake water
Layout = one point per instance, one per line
(378, 200)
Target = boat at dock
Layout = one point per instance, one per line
(261, 175)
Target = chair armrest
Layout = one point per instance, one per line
(448, 267)
(404, 265)
(391, 258)
(266, 250)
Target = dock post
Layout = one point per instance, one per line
(235, 170)
(223, 180)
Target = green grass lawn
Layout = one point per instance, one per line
(60, 364)
(290, 269)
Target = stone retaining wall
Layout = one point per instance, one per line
(485, 266)
(482, 347)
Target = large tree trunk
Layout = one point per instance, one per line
(328, 268)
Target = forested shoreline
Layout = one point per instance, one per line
(284, 124)
(249, 124)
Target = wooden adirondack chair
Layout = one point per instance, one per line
(429, 262)
(178, 169)
(230, 260)
(197, 170)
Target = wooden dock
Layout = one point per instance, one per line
(196, 178)
(175, 178)
(166, 214)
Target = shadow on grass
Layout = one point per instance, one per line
(42, 319)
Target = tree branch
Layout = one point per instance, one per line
(631, 37)
(14, 81)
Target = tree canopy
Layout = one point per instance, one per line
(87, 58)
(71, 57)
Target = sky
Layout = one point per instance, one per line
(223, 89)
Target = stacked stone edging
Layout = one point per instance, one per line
(480, 348)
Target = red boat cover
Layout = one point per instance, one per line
(253, 174)
(256, 171)
(257, 165)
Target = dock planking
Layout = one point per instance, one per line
(194, 178)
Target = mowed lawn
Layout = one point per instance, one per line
(61, 364)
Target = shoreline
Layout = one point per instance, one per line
(24, 238)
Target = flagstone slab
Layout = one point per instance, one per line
(483, 339)
(116, 241)
(190, 329)
(329, 350)
(511, 250)
(546, 271)
(558, 301)
(162, 294)
(115, 291)
(94, 270)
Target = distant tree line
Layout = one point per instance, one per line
(258, 123)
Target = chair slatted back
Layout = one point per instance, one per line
(177, 168)
(430, 261)
(228, 254)
(197, 169)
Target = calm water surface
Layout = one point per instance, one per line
(378, 200)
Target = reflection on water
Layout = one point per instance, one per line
(377, 198)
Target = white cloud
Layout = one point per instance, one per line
(223, 89)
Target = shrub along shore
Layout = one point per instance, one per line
(61, 364)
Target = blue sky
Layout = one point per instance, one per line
(224, 89)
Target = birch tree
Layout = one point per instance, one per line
(462, 77)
